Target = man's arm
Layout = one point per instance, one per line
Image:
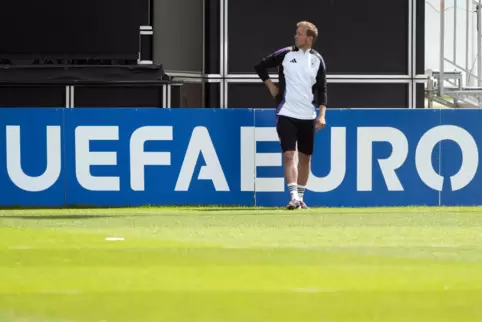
(273, 60)
(322, 86)
(322, 93)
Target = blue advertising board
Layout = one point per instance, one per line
(131, 157)
(31, 158)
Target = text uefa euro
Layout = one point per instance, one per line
(201, 149)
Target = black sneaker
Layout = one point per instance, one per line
(294, 204)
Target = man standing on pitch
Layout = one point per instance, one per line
(302, 73)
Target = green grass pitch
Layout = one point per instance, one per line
(241, 264)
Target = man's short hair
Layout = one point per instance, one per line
(311, 30)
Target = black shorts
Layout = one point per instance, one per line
(292, 131)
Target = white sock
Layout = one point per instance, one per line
(301, 192)
(293, 188)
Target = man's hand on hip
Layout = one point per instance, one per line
(273, 89)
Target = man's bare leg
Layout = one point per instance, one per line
(291, 173)
(303, 173)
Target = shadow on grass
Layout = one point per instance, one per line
(235, 209)
(57, 217)
(174, 208)
(70, 207)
